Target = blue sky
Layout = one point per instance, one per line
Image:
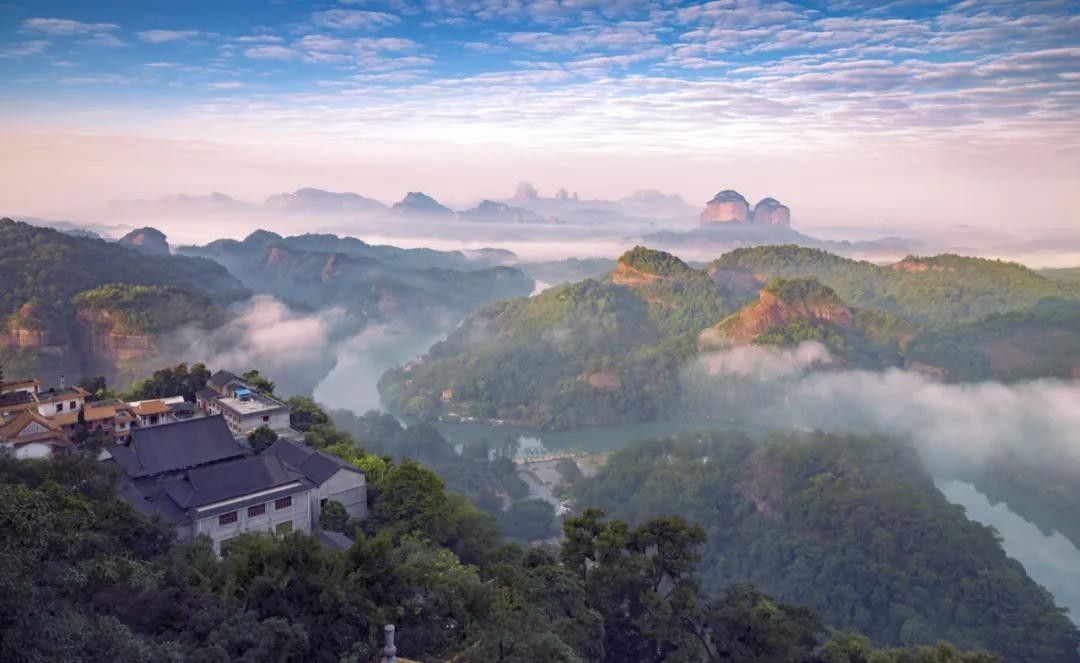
(578, 81)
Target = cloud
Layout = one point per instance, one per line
(353, 19)
(226, 85)
(25, 49)
(103, 39)
(62, 26)
(953, 425)
(165, 36)
(272, 52)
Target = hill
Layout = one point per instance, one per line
(850, 526)
(43, 328)
(420, 287)
(591, 352)
(937, 291)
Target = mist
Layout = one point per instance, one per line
(955, 427)
(295, 349)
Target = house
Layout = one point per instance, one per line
(333, 478)
(30, 435)
(196, 475)
(152, 413)
(54, 401)
(28, 394)
(249, 494)
(243, 407)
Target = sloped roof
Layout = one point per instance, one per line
(10, 431)
(315, 465)
(222, 378)
(231, 479)
(147, 408)
(175, 447)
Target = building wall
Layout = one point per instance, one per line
(67, 405)
(299, 514)
(32, 450)
(277, 421)
(349, 488)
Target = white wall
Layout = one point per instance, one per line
(299, 514)
(349, 488)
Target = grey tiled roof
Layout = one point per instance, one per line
(222, 378)
(315, 465)
(174, 447)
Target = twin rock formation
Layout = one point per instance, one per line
(731, 207)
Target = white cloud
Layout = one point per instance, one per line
(226, 85)
(103, 39)
(165, 36)
(25, 49)
(63, 26)
(353, 19)
(272, 52)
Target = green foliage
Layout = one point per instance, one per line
(259, 382)
(655, 262)
(852, 527)
(146, 309)
(528, 520)
(938, 292)
(306, 414)
(334, 517)
(177, 380)
(261, 439)
(806, 290)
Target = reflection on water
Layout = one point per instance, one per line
(1052, 561)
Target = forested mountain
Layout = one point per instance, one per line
(611, 349)
(936, 291)
(420, 286)
(850, 526)
(94, 580)
(53, 317)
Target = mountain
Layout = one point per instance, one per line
(651, 203)
(419, 287)
(731, 207)
(852, 527)
(55, 319)
(420, 205)
(317, 200)
(182, 203)
(610, 350)
(488, 211)
(937, 291)
(147, 240)
(592, 352)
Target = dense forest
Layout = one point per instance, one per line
(850, 526)
(612, 349)
(90, 579)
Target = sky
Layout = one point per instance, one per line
(911, 111)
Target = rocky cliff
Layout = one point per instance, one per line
(416, 203)
(726, 207)
(781, 302)
(103, 337)
(731, 207)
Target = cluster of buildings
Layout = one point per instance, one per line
(189, 463)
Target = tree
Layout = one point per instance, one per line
(95, 385)
(306, 414)
(334, 518)
(259, 382)
(261, 438)
(528, 520)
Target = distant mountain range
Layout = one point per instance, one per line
(525, 206)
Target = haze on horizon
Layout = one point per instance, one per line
(916, 112)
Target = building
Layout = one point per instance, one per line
(28, 394)
(243, 407)
(30, 435)
(199, 477)
(333, 478)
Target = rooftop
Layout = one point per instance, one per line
(174, 447)
(256, 403)
(315, 465)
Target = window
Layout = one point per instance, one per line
(71, 405)
(257, 510)
(284, 528)
(59, 407)
(266, 417)
(228, 518)
(283, 503)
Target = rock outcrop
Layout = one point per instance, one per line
(770, 212)
(779, 303)
(105, 339)
(147, 240)
(731, 207)
(726, 207)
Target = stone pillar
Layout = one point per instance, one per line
(389, 652)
